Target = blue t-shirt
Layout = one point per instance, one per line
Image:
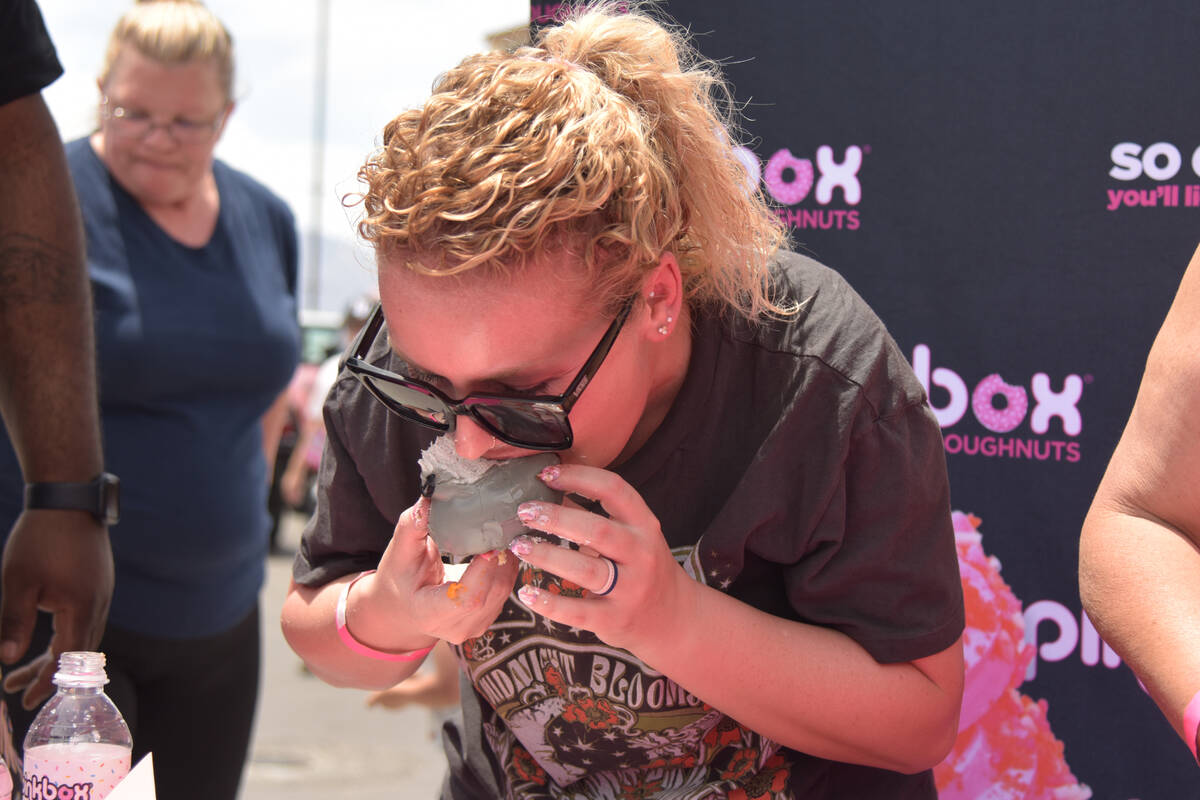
(193, 345)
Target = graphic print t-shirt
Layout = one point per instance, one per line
(559, 708)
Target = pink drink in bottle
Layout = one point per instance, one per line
(79, 745)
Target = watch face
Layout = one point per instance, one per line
(110, 498)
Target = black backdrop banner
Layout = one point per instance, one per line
(1015, 188)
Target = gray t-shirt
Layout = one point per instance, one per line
(800, 470)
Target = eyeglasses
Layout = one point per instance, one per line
(138, 124)
(531, 423)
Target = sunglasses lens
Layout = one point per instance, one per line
(410, 401)
(537, 424)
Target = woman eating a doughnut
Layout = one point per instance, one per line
(750, 587)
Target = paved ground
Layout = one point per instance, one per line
(315, 742)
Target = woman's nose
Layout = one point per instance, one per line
(159, 136)
(471, 440)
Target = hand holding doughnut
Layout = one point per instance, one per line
(409, 591)
(636, 589)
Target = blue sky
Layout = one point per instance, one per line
(383, 57)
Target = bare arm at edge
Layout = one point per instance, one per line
(59, 561)
(1139, 560)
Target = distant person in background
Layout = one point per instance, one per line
(193, 269)
(295, 409)
(55, 559)
(305, 457)
(1139, 555)
(435, 688)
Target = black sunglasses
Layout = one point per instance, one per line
(532, 423)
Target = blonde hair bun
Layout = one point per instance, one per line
(609, 139)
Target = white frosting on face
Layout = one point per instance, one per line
(441, 458)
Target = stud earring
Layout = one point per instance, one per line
(664, 330)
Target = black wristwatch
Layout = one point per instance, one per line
(100, 496)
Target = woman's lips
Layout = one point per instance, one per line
(156, 165)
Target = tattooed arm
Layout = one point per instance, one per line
(59, 561)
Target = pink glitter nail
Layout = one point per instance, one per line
(533, 514)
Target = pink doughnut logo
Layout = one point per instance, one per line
(999, 420)
(788, 192)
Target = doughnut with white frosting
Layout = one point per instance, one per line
(473, 508)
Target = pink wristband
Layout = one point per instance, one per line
(357, 646)
(1191, 722)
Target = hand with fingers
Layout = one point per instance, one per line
(410, 584)
(59, 562)
(623, 561)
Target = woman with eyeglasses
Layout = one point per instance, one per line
(751, 589)
(193, 268)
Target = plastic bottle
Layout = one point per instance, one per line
(78, 741)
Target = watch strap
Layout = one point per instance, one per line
(99, 497)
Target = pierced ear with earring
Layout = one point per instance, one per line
(664, 329)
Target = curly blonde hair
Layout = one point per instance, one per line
(173, 32)
(607, 139)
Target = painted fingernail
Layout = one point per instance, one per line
(534, 514)
(490, 555)
(528, 594)
(521, 546)
(551, 473)
(418, 515)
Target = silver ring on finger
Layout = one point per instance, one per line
(612, 577)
